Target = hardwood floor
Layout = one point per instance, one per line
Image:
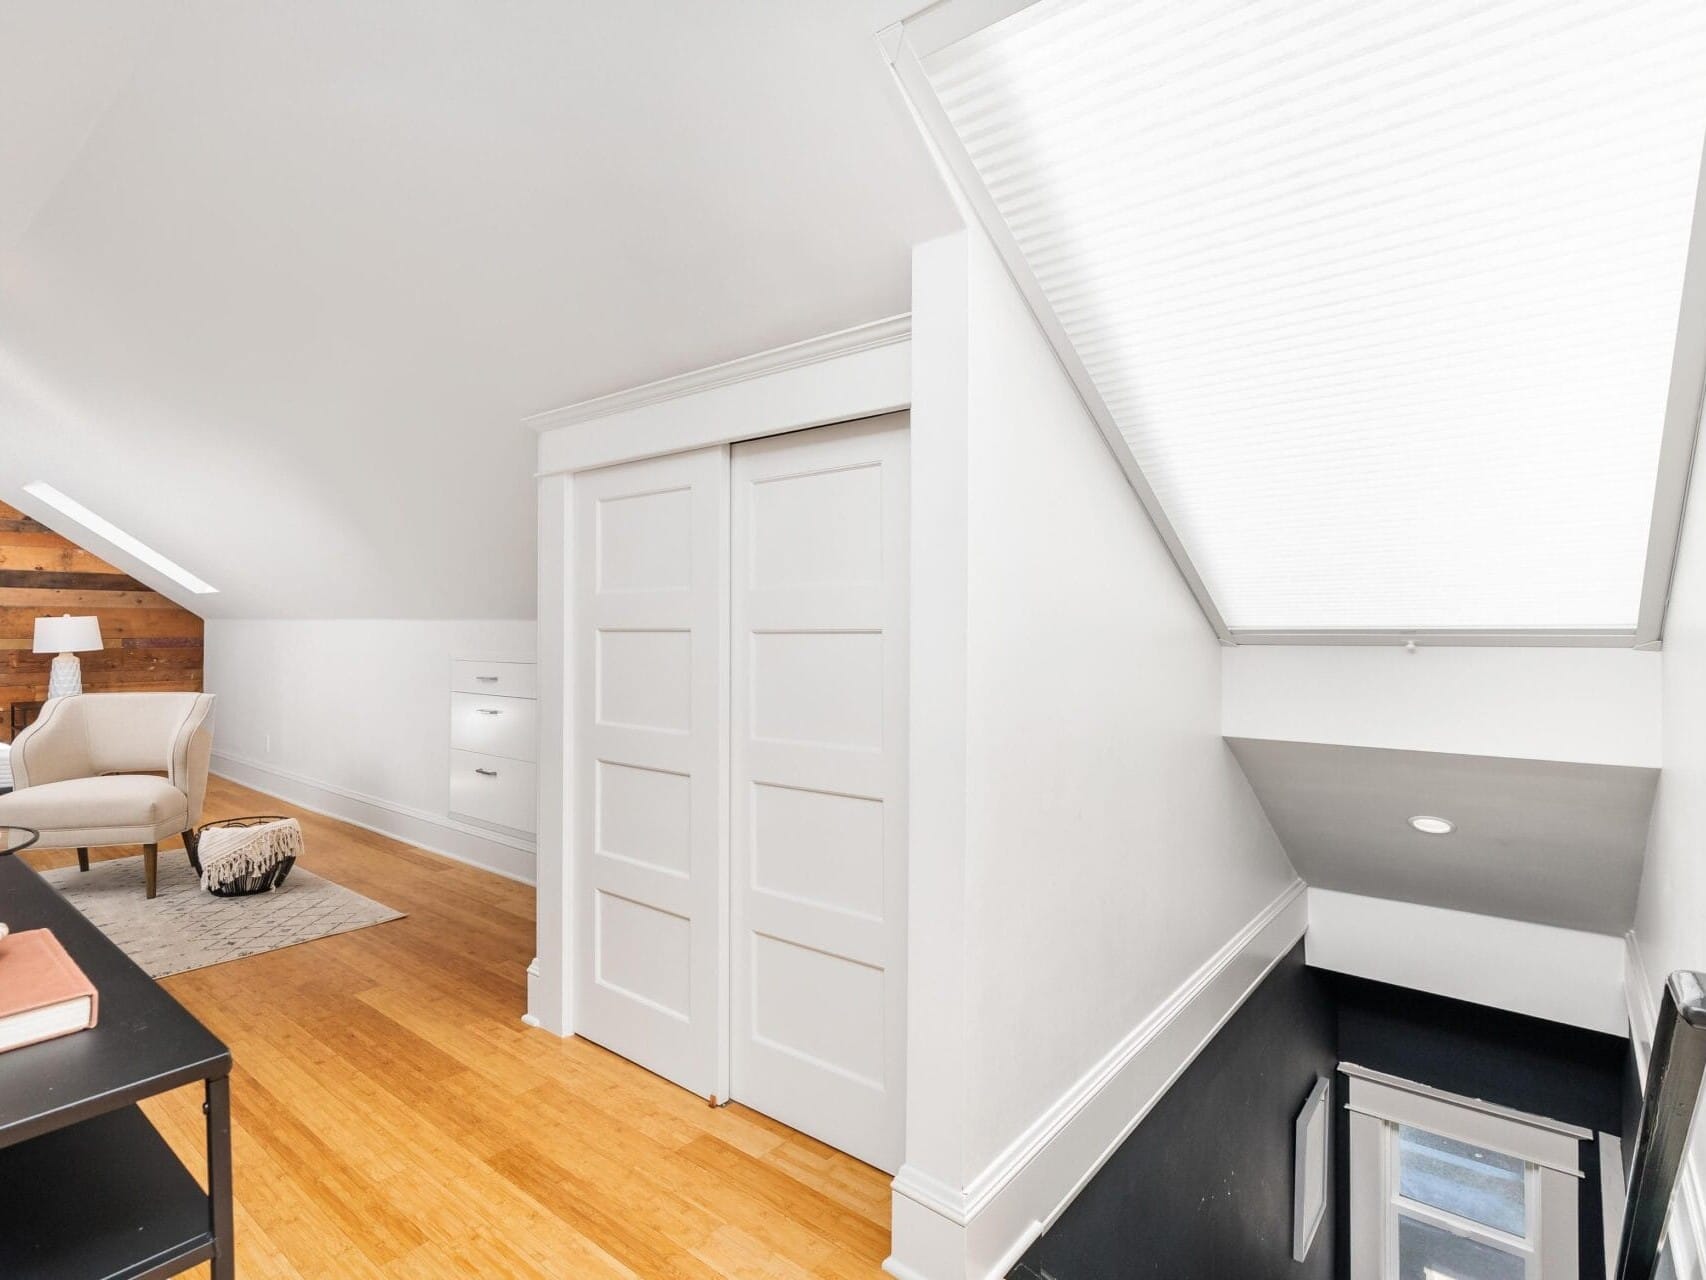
(393, 1117)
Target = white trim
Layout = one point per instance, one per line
(839, 377)
(1683, 405)
(507, 856)
(1611, 1193)
(1572, 1131)
(1530, 1138)
(533, 972)
(931, 27)
(1025, 1188)
(550, 999)
(1688, 1245)
(864, 337)
(1478, 636)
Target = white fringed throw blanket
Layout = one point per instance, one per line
(229, 854)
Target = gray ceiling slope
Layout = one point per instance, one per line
(1540, 840)
(279, 281)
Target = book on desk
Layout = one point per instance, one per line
(43, 994)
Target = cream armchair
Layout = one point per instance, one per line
(84, 773)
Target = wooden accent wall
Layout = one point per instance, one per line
(151, 643)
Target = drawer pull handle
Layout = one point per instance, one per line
(487, 773)
(489, 711)
(487, 679)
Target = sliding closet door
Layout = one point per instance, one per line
(819, 783)
(651, 554)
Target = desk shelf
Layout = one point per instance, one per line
(88, 1189)
(105, 1199)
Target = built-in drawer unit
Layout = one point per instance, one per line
(506, 679)
(492, 789)
(492, 725)
(494, 729)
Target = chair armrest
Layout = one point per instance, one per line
(192, 750)
(54, 748)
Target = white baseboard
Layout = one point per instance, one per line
(488, 850)
(533, 976)
(1688, 1212)
(981, 1231)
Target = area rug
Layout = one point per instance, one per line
(184, 928)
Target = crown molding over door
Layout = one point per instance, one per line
(856, 373)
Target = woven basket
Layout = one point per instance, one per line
(260, 882)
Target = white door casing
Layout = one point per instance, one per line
(818, 777)
(650, 556)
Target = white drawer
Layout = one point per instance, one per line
(492, 789)
(494, 726)
(507, 679)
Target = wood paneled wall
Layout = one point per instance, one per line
(151, 643)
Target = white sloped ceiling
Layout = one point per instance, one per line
(278, 281)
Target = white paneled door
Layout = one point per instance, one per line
(651, 558)
(818, 776)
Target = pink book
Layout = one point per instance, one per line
(43, 993)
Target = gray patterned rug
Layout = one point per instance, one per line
(183, 928)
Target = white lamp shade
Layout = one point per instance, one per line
(67, 634)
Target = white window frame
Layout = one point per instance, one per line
(1380, 1104)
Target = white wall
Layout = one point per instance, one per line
(1591, 706)
(1109, 846)
(1112, 835)
(1563, 975)
(1670, 916)
(353, 718)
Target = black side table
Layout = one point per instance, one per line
(88, 1188)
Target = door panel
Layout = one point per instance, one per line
(651, 555)
(819, 782)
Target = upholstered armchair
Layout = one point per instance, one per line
(85, 773)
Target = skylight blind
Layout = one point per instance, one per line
(1382, 294)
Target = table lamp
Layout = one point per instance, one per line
(66, 636)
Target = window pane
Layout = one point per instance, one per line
(1482, 1186)
(1425, 1252)
(1383, 295)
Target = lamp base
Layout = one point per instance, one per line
(66, 678)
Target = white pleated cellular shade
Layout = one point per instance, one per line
(1382, 294)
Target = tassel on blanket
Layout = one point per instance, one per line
(232, 855)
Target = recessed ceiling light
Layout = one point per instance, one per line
(104, 528)
(1431, 826)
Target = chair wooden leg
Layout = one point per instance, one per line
(82, 859)
(150, 865)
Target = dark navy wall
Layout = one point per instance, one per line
(1543, 1067)
(1202, 1188)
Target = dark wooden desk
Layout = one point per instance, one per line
(88, 1189)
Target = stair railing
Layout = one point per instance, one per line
(1667, 1111)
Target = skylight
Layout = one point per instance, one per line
(1382, 296)
(103, 528)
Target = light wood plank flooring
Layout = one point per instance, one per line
(393, 1118)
